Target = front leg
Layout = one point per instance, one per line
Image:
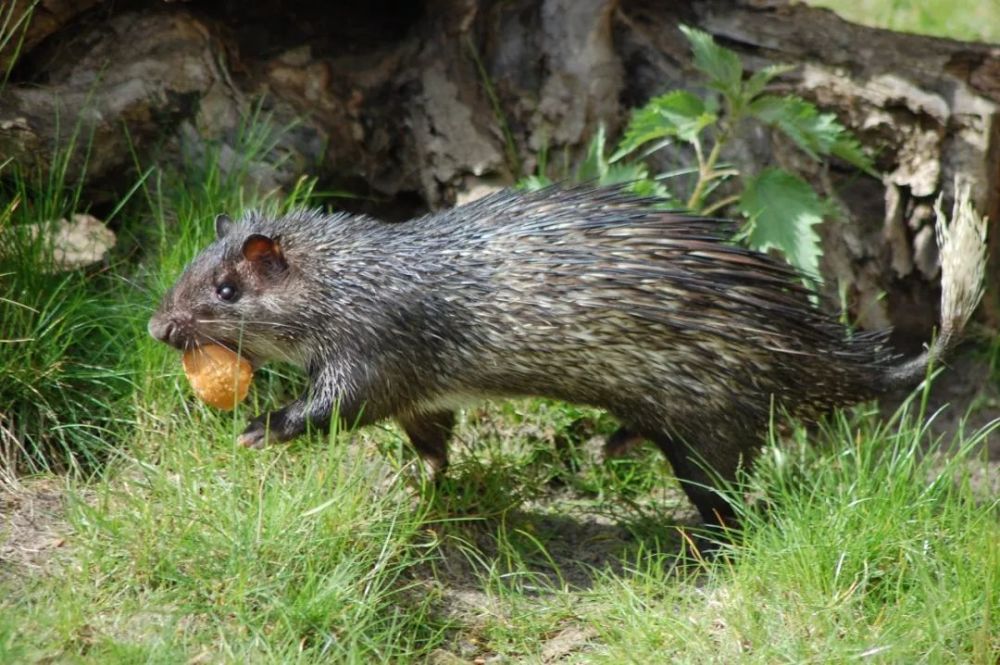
(327, 391)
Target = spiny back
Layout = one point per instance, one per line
(584, 267)
(608, 250)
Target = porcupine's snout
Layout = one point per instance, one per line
(172, 329)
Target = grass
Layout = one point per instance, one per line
(968, 20)
(874, 550)
(61, 354)
(294, 557)
(163, 541)
(13, 28)
(189, 547)
(185, 547)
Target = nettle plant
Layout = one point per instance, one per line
(779, 207)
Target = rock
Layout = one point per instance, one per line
(75, 244)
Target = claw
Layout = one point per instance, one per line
(254, 436)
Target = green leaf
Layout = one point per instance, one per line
(636, 178)
(678, 113)
(646, 124)
(849, 149)
(624, 173)
(650, 187)
(719, 64)
(533, 183)
(756, 83)
(815, 133)
(783, 209)
(594, 165)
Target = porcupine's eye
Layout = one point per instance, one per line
(227, 292)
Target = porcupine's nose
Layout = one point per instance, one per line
(166, 329)
(160, 328)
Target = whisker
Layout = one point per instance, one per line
(275, 324)
(240, 346)
(214, 340)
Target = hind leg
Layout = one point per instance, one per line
(429, 433)
(704, 469)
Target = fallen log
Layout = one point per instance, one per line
(410, 104)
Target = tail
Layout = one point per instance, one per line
(962, 245)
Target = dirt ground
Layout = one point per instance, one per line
(33, 526)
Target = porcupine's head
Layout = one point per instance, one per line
(238, 292)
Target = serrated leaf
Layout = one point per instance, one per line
(783, 209)
(678, 113)
(849, 149)
(814, 132)
(799, 120)
(760, 78)
(687, 112)
(646, 125)
(722, 66)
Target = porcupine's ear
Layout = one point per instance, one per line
(223, 225)
(264, 253)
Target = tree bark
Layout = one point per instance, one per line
(29, 22)
(411, 104)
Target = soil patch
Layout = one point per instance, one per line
(33, 527)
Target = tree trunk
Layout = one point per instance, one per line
(413, 104)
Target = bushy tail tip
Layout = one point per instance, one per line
(962, 246)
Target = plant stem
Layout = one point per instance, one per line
(706, 171)
(720, 204)
(510, 146)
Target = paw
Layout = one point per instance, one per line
(256, 435)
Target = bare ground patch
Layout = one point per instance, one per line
(34, 526)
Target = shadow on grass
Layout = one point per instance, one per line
(493, 528)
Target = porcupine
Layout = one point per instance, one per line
(587, 295)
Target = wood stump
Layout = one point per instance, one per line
(413, 103)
